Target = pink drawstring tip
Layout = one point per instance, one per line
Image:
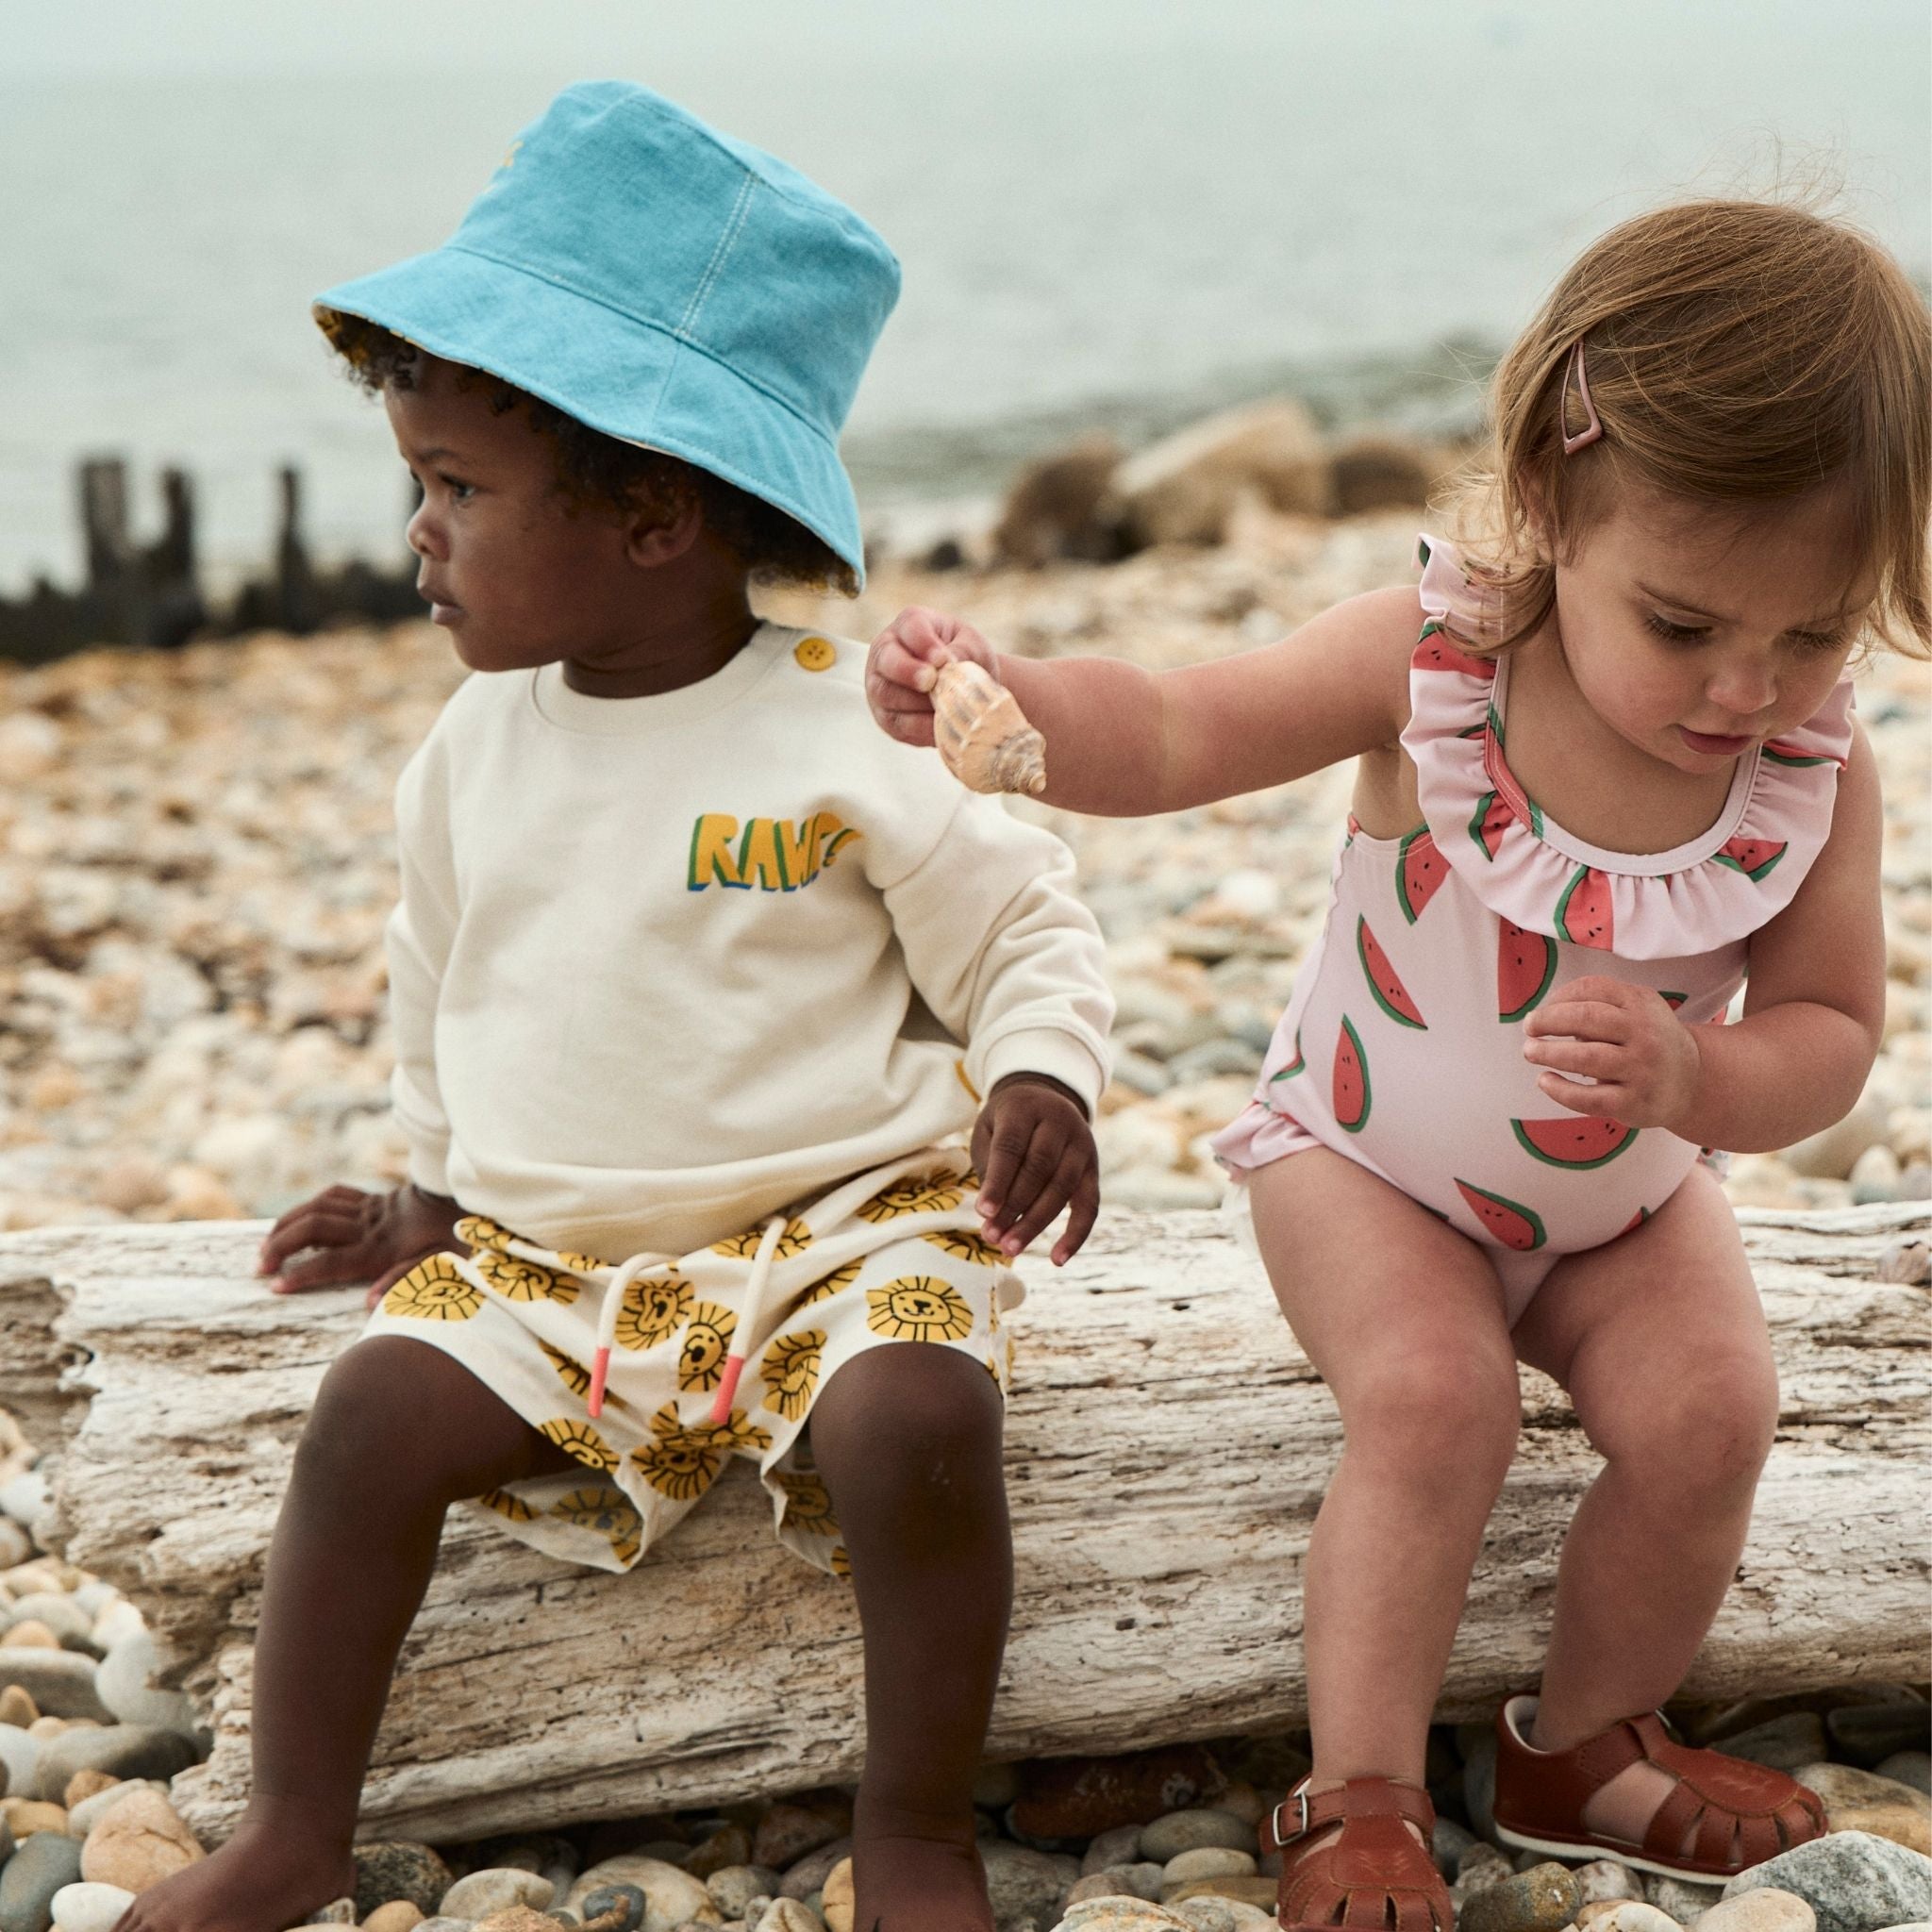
(721, 1402)
(600, 1368)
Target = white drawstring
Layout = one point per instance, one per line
(621, 1279)
(747, 1319)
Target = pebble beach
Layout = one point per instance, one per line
(196, 864)
(196, 859)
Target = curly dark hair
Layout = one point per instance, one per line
(595, 470)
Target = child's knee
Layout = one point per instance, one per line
(1708, 1430)
(1452, 1415)
(377, 1413)
(910, 1418)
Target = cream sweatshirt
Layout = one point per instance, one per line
(664, 965)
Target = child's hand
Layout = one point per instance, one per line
(1643, 1059)
(1035, 1148)
(905, 662)
(358, 1237)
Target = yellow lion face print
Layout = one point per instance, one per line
(917, 1308)
(791, 1371)
(518, 1280)
(743, 1247)
(653, 1311)
(570, 1371)
(581, 1264)
(679, 1462)
(513, 1507)
(474, 1231)
(807, 1502)
(938, 1194)
(741, 1435)
(966, 1246)
(841, 1563)
(827, 1285)
(610, 1514)
(707, 1343)
(581, 1440)
(433, 1290)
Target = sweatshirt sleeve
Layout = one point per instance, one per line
(1003, 952)
(419, 936)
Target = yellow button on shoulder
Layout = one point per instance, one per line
(815, 654)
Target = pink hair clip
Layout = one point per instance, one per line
(1594, 427)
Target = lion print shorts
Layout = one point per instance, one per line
(889, 1257)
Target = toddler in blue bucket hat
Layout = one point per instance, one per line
(696, 981)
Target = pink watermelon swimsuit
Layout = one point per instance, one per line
(1402, 1045)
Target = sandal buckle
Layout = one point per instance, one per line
(1283, 1839)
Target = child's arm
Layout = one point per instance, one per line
(1125, 741)
(1814, 1010)
(1011, 964)
(344, 1234)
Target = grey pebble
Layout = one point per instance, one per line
(1866, 1734)
(1853, 1881)
(1447, 1843)
(1912, 1768)
(1782, 1742)
(19, 1754)
(61, 1683)
(44, 1863)
(1183, 1831)
(1120, 1846)
(733, 1887)
(810, 1874)
(119, 1750)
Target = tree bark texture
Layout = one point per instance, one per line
(1167, 1449)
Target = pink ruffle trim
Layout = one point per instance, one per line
(1707, 894)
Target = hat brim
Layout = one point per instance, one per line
(627, 378)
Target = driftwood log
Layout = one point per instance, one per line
(1168, 1448)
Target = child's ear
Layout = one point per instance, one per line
(651, 538)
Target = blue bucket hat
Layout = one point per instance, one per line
(666, 285)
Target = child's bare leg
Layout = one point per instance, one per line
(1404, 1319)
(1659, 1338)
(908, 1439)
(399, 1431)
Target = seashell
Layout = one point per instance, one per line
(983, 735)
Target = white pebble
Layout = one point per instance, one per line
(90, 1907)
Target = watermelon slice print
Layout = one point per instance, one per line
(1435, 651)
(1526, 965)
(1635, 1221)
(1355, 825)
(1350, 1091)
(1384, 981)
(1489, 822)
(1421, 868)
(1793, 756)
(1672, 999)
(1583, 913)
(1753, 857)
(1575, 1140)
(1494, 720)
(1298, 1065)
(1506, 1222)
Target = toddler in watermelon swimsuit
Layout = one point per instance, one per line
(1606, 769)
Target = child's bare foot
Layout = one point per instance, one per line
(910, 1882)
(269, 1876)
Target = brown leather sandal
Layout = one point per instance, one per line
(1728, 1812)
(1373, 1873)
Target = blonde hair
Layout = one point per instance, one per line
(1739, 354)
